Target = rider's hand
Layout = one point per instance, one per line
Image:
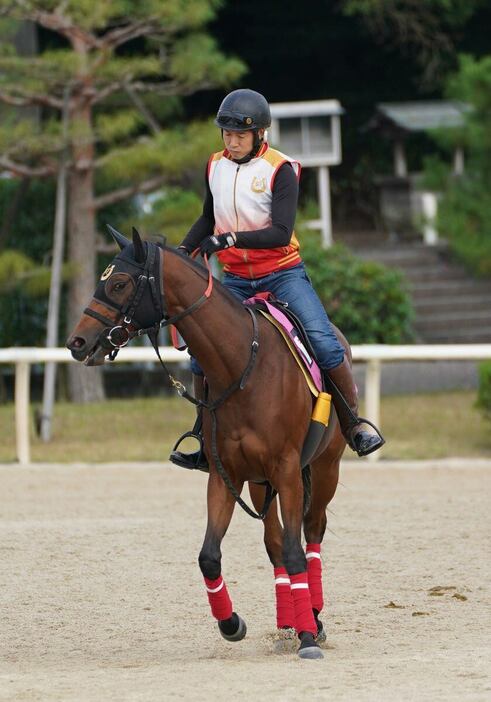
(184, 250)
(217, 242)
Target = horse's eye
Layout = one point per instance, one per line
(119, 286)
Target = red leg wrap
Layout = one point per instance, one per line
(219, 599)
(304, 618)
(285, 613)
(314, 570)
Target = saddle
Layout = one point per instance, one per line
(294, 334)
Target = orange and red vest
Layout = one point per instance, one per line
(242, 195)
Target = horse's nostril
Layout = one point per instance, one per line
(77, 343)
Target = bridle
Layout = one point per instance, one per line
(145, 311)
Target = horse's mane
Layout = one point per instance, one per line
(203, 273)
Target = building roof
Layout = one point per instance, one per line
(306, 108)
(419, 116)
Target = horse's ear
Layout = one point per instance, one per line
(139, 249)
(120, 240)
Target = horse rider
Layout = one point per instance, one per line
(247, 221)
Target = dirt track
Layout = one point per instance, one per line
(101, 598)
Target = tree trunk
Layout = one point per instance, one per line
(85, 384)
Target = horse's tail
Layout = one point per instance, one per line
(307, 488)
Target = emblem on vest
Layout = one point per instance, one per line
(258, 185)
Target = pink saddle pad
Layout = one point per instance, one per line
(308, 361)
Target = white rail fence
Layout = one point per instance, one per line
(373, 355)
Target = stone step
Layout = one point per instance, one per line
(456, 336)
(478, 319)
(462, 303)
(404, 256)
(450, 305)
(448, 288)
(423, 273)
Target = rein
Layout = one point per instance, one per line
(129, 310)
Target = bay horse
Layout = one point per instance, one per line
(254, 424)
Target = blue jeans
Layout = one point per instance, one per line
(294, 287)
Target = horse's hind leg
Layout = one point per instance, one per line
(291, 502)
(325, 474)
(273, 542)
(220, 509)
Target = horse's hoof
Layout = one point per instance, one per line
(308, 648)
(233, 629)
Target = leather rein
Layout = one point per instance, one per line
(115, 336)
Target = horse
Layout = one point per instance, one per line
(254, 422)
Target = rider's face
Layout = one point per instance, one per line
(239, 144)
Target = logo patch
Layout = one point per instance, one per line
(258, 185)
(107, 272)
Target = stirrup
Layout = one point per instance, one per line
(191, 461)
(367, 444)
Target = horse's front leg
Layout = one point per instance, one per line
(273, 542)
(325, 475)
(290, 492)
(220, 509)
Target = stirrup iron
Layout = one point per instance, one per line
(368, 443)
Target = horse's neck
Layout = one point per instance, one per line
(218, 333)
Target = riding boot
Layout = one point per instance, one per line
(361, 435)
(196, 460)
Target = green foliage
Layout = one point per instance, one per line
(427, 30)
(21, 318)
(464, 217)
(484, 391)
(172, 151)
(196, 59)
(18, 271)
(464, 213)
(122, 60)
(160, 52)
(453, 11)
(366, 300)
(172, 214)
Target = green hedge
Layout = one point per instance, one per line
(484, 391)
(366, 300)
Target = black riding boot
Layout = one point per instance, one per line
(196, 460)
(361, 435)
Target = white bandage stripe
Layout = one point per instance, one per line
(300, 586)
(312, 554)
(215, 589)
(282, 581)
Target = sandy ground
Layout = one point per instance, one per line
(101, 598)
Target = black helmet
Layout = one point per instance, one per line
(243, 110)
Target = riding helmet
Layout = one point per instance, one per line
(243, 110)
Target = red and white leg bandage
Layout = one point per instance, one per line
(219, 599)
(314, 570)
(285, 613)
(304, 617)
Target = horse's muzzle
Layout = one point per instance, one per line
(80, 352)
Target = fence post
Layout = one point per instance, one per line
(22, 371)
(372, 397)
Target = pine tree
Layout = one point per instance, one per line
(119, 68)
